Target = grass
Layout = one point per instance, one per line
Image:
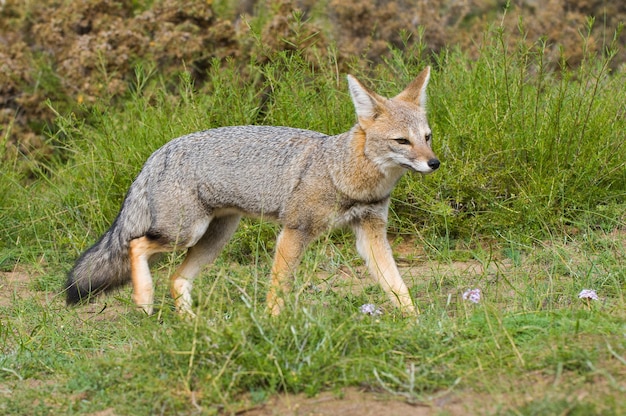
(528, 206)
(529, 326)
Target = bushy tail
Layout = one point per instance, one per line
(106, 265)
(103, 267)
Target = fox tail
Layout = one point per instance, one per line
(106, 265)
(102, 268)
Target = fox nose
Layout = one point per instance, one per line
(433, 163)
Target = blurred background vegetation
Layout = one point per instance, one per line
(71, 54)
(527, 106)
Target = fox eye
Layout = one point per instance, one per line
(402, 140)
(429, 137)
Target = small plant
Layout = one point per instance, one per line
(472, 295)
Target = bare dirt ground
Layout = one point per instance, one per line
(15, 284)
(355, 402)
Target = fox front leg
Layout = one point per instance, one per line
(373, 246)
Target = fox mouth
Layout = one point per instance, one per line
(414, 169)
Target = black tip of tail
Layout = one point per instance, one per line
(77, 293)
(72, 292)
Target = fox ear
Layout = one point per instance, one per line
(416, 91)
(366, 102)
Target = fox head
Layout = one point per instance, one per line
(396, 130)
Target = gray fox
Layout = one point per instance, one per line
(192, 192)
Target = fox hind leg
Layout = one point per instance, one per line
(140, 251)
(205, 251)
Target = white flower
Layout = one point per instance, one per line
(473, 295)
(370, 309)
(588, 294)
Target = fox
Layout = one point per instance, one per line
(192, 192)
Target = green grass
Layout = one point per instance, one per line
(530, 325)
(531, 194)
